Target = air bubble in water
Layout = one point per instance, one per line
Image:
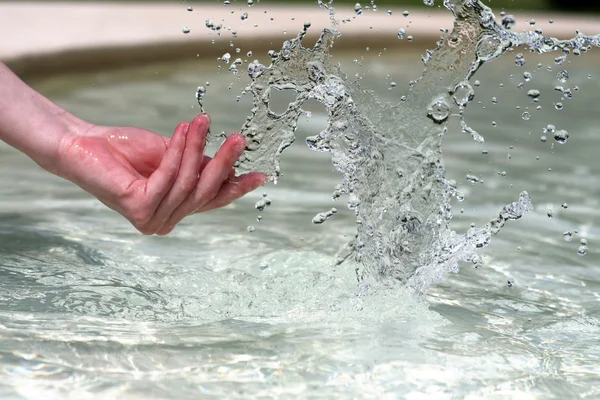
(508, 22)
(489, 48)
(463, 94)
(438, 111)
(561, 136)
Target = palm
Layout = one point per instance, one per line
(156, 181)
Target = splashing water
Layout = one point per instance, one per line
(390, 155)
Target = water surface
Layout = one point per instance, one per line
(91, 308)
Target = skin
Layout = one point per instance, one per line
(154, 181)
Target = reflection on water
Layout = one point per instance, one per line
(90, 308)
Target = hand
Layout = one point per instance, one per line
(152, 180)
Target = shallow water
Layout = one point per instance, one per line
(90, 308)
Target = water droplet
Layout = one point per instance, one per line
(562, 76)
(262, 203)
(307, 24)
(438, 111)
(200, 92)
(519, 60)
(190, 8)
(389, 12)
(565, 205)
(401, 33)
(568, 236)
(250, 228)
(323, 216)
(244, 16)
(526, 116)
(550, 212)
(185, 30)
(561, 136)
(582, 250)
(510, 284)
(527, 76)
(405, 13)
(508, 22)
(358, 9)
(428, 2)
(544, 139)
(225, 58)
(264, 265)
(558, 106)
(533, 94)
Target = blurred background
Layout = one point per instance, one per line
(566, 5)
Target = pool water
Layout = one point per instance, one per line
(90, 308)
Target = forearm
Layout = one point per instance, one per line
(31, 123)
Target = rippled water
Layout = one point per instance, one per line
(90, 308)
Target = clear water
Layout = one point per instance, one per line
(91, 309)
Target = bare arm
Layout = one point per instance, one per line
(153, 180)
(31, 123)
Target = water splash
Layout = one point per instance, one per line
(390, 155)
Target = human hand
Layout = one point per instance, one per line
(153, 180)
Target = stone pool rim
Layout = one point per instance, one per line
(45, 38)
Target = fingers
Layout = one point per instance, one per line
(187, 177)
(210, 182)
(161, 180)
(235, 188)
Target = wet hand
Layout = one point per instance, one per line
(152, 180)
